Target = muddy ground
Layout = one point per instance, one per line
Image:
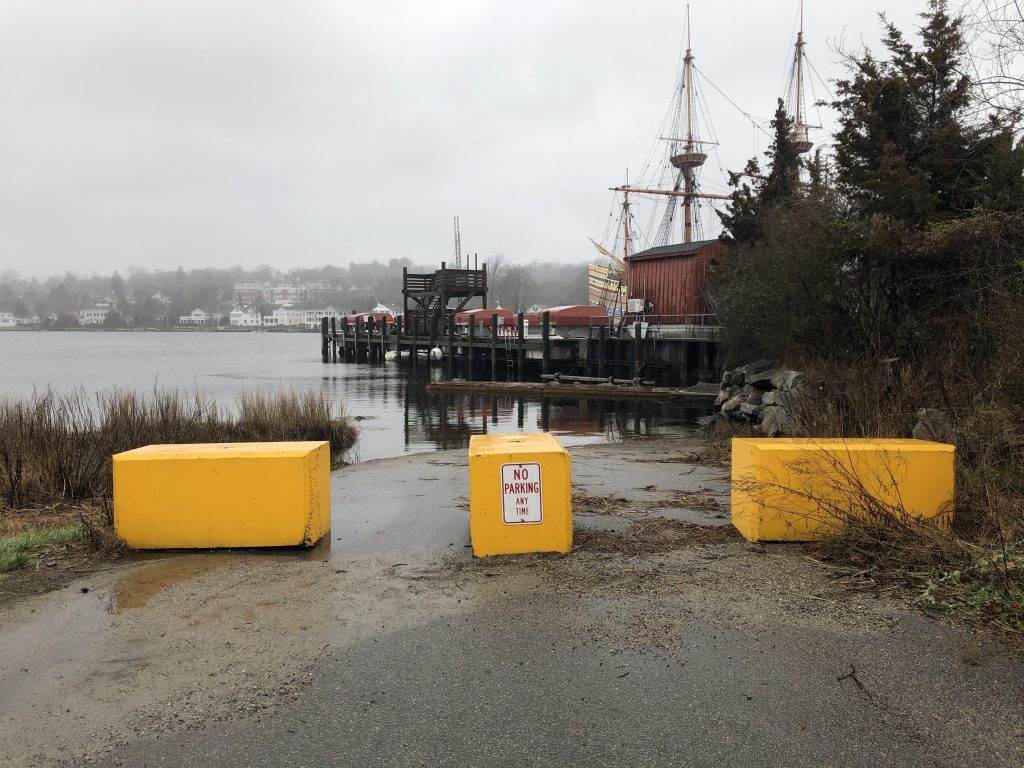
(662, 639)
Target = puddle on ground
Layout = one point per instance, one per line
(136, 588)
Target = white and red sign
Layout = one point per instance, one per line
(521, 494)
(512, 329)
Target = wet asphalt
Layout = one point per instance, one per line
(530, 672)
(522, 682)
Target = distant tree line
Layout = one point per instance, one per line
(156, 298)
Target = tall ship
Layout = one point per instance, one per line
(606, 287)
(680, 210)
(660, 267)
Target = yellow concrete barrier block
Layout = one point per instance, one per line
(223, 495)
(804, 489)
(520, 495)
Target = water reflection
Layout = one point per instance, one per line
(396, 413)
(445, 420)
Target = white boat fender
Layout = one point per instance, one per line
(436, 354)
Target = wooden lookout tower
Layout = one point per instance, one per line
(431, 300)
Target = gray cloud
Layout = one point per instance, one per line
(223, 132)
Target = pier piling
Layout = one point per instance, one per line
(546, 341)
(469, 350)
(494, 346)
(451, 344)
(522, 348)
(359, 333)
(415, 335)
(637, 350)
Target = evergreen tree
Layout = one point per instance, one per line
(905, 147)
(779, 184)
(913, 249)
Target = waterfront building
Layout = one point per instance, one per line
(286, 317)
(284, 293)
(317, 292)
(280, 294)
(246, 317)
(96, 315)
(313, 316)
(248, 293)
(196, 317)
(301, 316)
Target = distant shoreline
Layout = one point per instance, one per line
(23, 329)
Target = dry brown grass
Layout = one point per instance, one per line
(587, 504)
(56, 448)
(975, 570)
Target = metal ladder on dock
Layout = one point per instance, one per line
(509, 358)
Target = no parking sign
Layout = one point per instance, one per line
(521, 494)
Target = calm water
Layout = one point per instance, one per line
(396, 414)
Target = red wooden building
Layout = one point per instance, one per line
(672, 279)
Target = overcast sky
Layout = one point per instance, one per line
(302, 132)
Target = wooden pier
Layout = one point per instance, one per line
(638, 351)
(699, 395)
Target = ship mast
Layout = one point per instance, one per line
(688, 169)
(801, 140)
(685, 155)
(625, 221)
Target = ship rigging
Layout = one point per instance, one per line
(675, 182)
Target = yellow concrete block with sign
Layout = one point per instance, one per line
(804, 489)
(223, 495)
(520, 494)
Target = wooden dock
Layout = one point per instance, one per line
(507, 353)
(699, 395)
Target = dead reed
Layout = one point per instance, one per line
(56, 448)
(976, 569)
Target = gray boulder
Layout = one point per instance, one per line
(752, 395)
(758, 366)
(775, 421)
(732, 404)
(706, 424)
(750, 409)
(779, 397)
(763, 380)
(933, 424)
(786, 379)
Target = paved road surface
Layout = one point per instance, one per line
(652, 644)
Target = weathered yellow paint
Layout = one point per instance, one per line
(803, 489)
(223, 495)
(489, 531)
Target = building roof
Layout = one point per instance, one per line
(305, 308)
(677, 249)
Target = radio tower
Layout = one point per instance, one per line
(458, 245)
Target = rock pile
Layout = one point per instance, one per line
(758, 393)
